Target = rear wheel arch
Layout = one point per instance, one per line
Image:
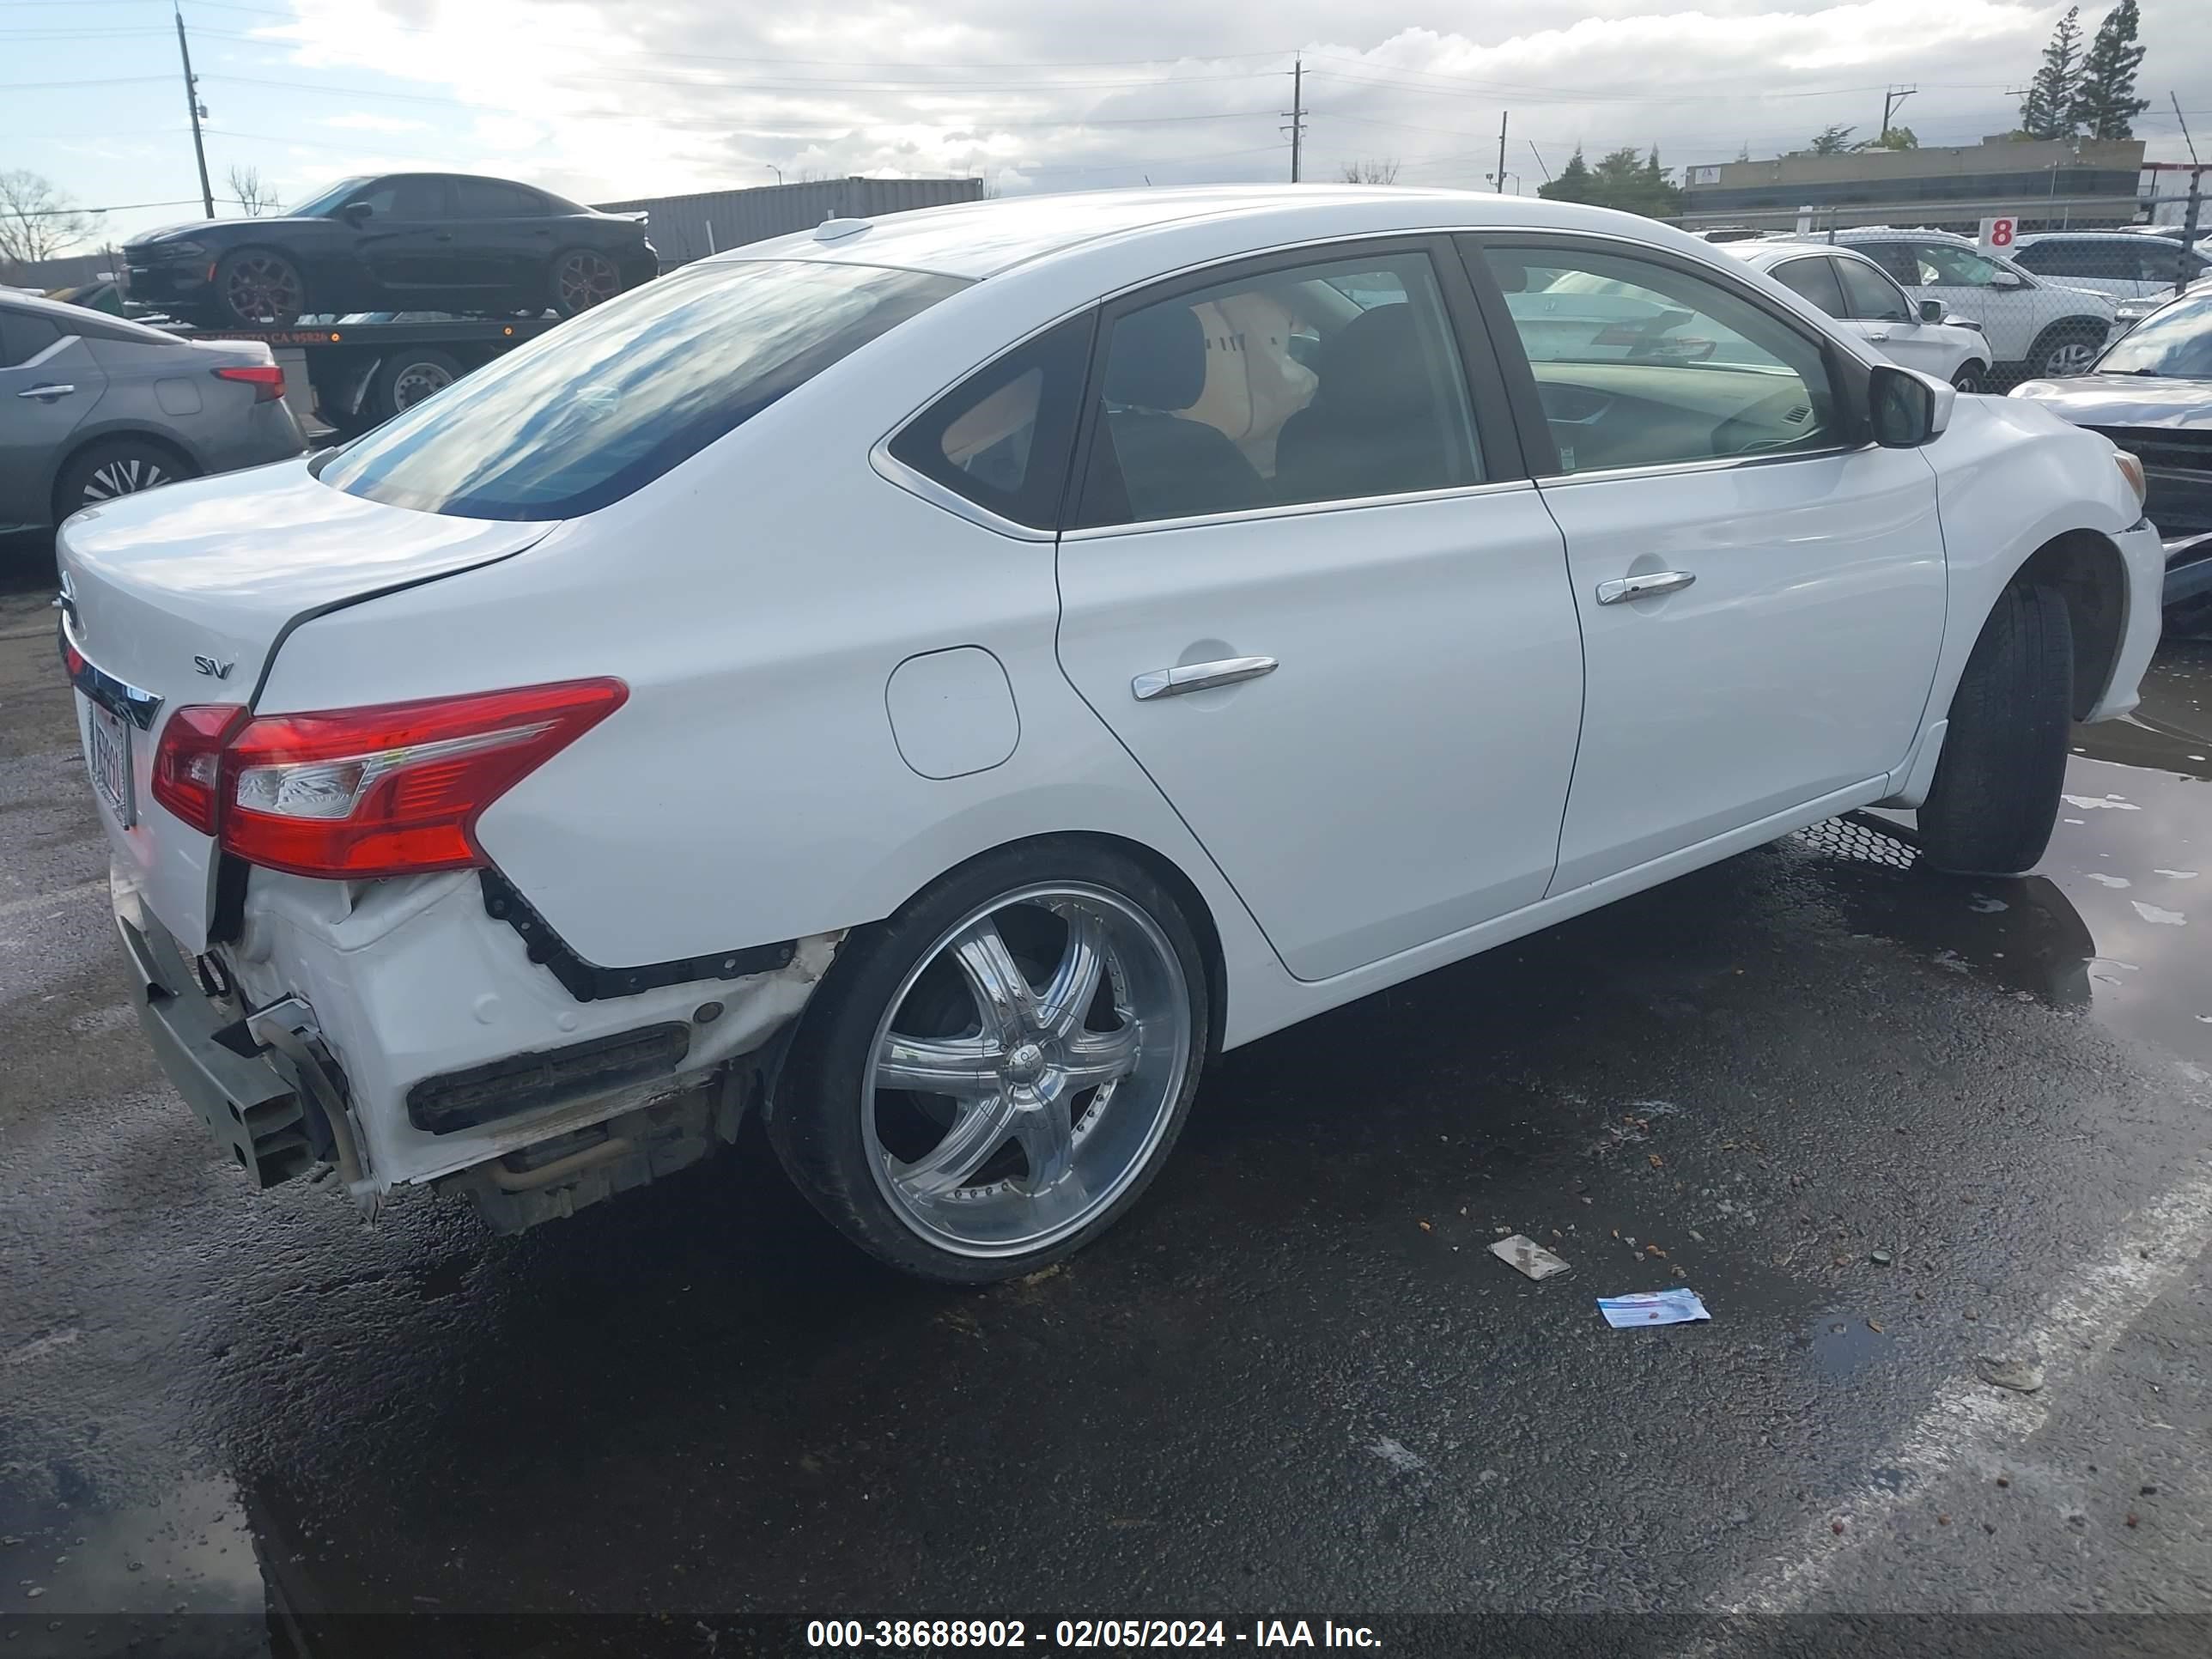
(2085, 570)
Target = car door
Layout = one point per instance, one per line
(48, 384)
(1878, 311)
(1761, 594)
(504, 236)
(1324, 607)
(406, 242)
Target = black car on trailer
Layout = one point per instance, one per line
(401, 241)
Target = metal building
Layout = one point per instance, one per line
(688, 227)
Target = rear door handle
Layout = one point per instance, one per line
(47, 392)
(1199, 676)
(1643, 587)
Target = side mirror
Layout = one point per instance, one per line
(357, 213)
(1906, 410)
(2008, 279)
(1932, 311)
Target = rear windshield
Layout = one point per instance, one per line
(594, 410)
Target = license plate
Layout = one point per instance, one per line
(109, 756)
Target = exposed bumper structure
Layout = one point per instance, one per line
(401, 1034)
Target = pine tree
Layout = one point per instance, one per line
(1574, 182)
(2047, 111)
(2104, 104)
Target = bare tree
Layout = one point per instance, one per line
(37, 222)
(246, 189)
(1381, 172)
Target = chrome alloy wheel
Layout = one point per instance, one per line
(126, 476)
(1027, 1069)
(2072, 358)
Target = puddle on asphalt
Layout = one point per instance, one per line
(177, 1578)
(2116, 920)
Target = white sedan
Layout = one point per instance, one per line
(937, 683)
(1919, 334)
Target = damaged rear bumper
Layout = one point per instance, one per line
(401, 1032)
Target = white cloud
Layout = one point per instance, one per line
(606, 100)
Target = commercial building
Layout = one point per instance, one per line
(2046, 183)
(688, 227)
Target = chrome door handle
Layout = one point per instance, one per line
(1871, 335)
(1199, 676)
(1643, 587)
(48, 392)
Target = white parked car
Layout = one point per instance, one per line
(1850, 287)
(937, 683)
(2035, 324)
(2127, 264)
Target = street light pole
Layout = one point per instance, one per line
(192, 102)
(776, 170)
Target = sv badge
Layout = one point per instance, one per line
(213, 669)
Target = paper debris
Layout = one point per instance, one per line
(1674, 1307)
(1526, 1254)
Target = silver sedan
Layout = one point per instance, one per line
(92, 407)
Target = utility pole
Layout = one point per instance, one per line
(1500, 179)
(1297, 112)
(1890, 100)
(1539, 155)
(192, 102)
(2184, 119)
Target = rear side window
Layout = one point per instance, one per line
(23, 337)
(587, 413)
(493, 198)
(1813, 278)
(1869, 298)
(1896, 258)
(417, 196)
(1002, 437)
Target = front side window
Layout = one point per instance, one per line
(1871, 297)
(1816, 279)
(1002, 437)
(1640, 363)
(325, 201)
(1942, 265)
(1337, 380)
(585, 413)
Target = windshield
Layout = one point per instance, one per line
(604, 404)
(325, 200)
(2177, 341)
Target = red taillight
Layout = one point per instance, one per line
(267, 380)
(188, 762)
(392, 790)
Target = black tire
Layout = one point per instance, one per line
(823, 1097)
(116, 467)
(1994, 798)
(403, 379)
(1971, 377)
(578, 278)
(258, 288)
(2065, 349)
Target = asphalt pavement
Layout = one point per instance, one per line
(1902, 1133)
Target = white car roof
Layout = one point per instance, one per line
(1762, 255)
(2119, 235)
(982, 239)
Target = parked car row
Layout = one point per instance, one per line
(1104, 630)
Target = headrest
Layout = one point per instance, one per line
(1157, 360)
(1512, 276)
(1371, 369)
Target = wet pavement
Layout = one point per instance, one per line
(1895, 1128)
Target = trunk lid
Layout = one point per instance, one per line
(183, 595)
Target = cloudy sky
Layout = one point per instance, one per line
(654, 97)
